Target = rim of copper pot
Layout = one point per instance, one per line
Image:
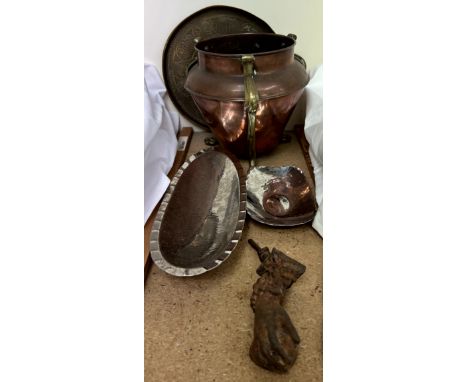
(243, 35)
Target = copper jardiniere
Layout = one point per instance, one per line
(246, 87)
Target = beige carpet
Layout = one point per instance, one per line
(201, 328)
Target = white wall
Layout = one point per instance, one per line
(301, 17)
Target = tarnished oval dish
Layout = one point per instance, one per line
(280, 196)
(201, 216)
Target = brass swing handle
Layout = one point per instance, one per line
(250, 103)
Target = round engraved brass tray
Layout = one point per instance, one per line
(179, 52)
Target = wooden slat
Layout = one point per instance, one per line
(304, 144)
(299, 129)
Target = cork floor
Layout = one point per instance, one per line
(201, 328)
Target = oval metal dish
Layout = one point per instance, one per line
(280, 196)
(201, 216)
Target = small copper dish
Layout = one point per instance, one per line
(280, 196)
(202, 214)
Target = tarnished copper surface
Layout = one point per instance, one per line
(280, 196)
(275, 342)
(216, 84)
(228, 122)
(179, 51)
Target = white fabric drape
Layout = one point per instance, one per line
(313, 130)
(161, 127)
